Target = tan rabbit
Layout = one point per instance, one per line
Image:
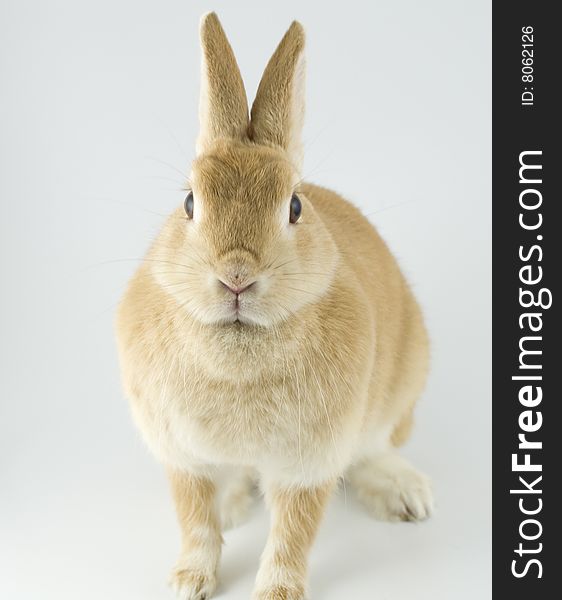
(269, 332)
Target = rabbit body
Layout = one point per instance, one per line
(298, 401)
(293, 352)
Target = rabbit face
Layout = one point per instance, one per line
(241, 257)
(250, 250)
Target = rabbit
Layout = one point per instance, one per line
(269, 337)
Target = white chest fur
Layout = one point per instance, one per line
(292, 421)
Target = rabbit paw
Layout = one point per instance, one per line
(279, 592)
(190, 584)
(392, 490)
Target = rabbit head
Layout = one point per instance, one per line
(247, 248)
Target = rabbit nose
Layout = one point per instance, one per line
(237, 289)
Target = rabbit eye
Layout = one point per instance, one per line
(188, 205)
(296, 209)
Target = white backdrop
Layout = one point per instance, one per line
(98, 115)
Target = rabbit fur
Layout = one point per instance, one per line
(266, 351)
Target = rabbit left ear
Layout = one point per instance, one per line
(278, 110)
(223, 106)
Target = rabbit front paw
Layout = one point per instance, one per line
(190, 584)
(279, 592)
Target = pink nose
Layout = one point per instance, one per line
(236, 289)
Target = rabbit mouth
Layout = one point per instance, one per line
(244, 314)
(240, 317)
(239, 302)
(237, 315)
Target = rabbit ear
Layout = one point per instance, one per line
(278, 110)
(223, 106)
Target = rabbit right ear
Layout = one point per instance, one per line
(278, 110)
(223, 106)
